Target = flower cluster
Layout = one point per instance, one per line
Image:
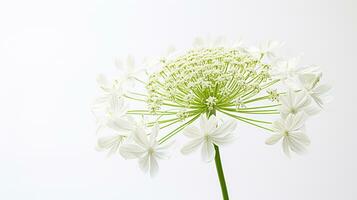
(215, 84)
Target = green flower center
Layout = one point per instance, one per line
(202, 80)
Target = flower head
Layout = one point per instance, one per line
(251, 85)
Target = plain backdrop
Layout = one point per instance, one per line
(51, 52)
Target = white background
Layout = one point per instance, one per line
(51, 52)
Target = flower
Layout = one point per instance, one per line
(209, 134)
(294, 102)
(146, 149)
(212, 78)
(311, 84)
(286, 70)
(112, 92)
(290, 130)
(110, 110)
(268, 48)
(129, 71)
(122, 125)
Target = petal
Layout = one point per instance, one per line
(312, 110)
(285, 145)
(278, 125)
(322, 89)
(154, 133)
(208, 125)
(273, 139)
(111, 142)
(121, 125)
(225, 128)
(162, 154)
(207, 151)
(140, 137)
(297, 121)
(144, 163)
(226, 139)
(307, 80)
(154, 167)
(211, 124)
(301, 100)
(296, 146)
(300, 137)
(318, 100)
(191, 146)
(192, 132)
(131, 151)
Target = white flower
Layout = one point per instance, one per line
(116, 119)
(210, 134)
(286, 70)
(267, 48)
(111, 113)
(311, 84)
(294, 102)
(292, 133)
(112, 92)
(129, 72)
(146, 149)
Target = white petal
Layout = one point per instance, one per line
(192, 132)
(307, 80)
(225, 139)
(312, 110)
(208, 125)
(301, 100)
(131, 151)
(285, 145)
(207, 151)
(300, 137)
(111, 143)
(296, 121)
(296, 146)
(162, 154)
(140, 137)
(154, 167)
(318, 100)
(121, 125)
(225, 128)
(191, 146)
(273, 139)
(154, 133)
(144, 163)
(322, 89)
(278, 125)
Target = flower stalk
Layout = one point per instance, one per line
(220, 174)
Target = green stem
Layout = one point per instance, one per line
(220, 173)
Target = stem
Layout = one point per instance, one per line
(220, 173)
